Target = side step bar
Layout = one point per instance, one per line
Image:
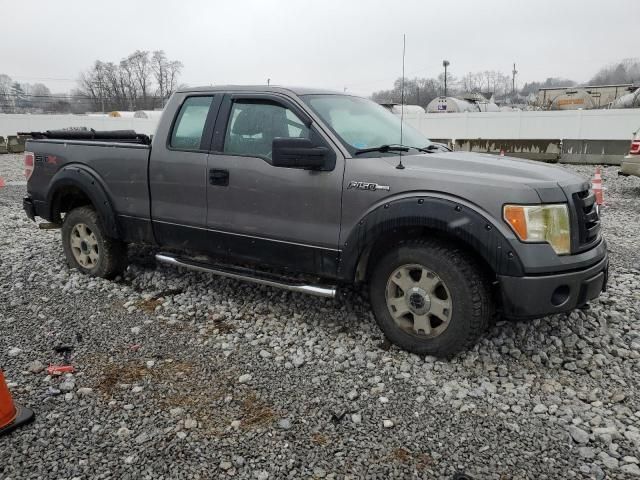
(236, 273)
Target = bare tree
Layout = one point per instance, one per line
(128, 83)
(166, 74)
(173, 73)
(141, 69)
(6, 103)
(138, 81)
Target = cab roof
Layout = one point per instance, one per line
(261, 88)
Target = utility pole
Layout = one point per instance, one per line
(445, 64)
(513, 79)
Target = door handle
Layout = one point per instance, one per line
(219, 177)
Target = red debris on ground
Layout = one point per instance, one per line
(60, 369)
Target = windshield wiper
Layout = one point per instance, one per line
(430, 148)
(384, 149)
(396, 147)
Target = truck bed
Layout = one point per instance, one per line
(120, 165)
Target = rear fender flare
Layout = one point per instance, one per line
(86, 181)
(448, 216)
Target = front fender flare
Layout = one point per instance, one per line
(447, 216)
(86, 181)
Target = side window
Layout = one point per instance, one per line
(253, 126)
(189, 126)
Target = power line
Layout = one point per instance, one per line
(42, 78)
(71, 95)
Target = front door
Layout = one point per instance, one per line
(286, 217)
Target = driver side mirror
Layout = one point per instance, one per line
(298, 153)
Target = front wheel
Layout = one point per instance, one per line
(88, 249)
(429, 298)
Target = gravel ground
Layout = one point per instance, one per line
(186, 375)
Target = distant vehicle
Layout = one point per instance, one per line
(631, 163)
(466, 103)
(310, 190)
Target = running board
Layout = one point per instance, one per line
(236, 273)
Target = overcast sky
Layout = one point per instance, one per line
(325, 43)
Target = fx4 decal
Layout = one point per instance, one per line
(372, 187)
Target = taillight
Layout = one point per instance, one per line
(29, 158)
(635, 148)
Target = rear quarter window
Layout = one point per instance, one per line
(189, 125)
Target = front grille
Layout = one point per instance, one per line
(588, 219)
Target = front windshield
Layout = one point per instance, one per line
(361, 123)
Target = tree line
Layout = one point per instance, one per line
(143, 80)
(500, 85)
(16, 97)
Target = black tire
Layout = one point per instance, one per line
(464, 288)
(109, 256)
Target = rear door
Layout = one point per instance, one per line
(178, 171)
(286, 217)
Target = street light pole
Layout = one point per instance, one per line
(445, 64)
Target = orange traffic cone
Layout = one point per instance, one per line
(598, 190)
(11, 415)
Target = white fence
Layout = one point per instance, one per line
(538, 125)
(529, 125)
(11, 124)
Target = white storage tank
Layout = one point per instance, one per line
(630, 100)
(577, 99)
(450, 105)
(149, 114)
(408, 109)
(121, 114)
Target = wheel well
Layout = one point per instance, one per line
(66, 199)
(387, 240)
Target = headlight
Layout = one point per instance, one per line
(541, 223)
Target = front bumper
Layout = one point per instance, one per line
(538, 296)
(630, 165)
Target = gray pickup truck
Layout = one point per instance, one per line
(310, 190)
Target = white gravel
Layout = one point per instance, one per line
(186, 375)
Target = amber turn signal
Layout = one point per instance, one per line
(516, 217)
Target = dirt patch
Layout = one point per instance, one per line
(255, 413)
(319, 438)
(216, 403)
(115, 374)
(134, 371)
(419, 460)
(223, 326)
(149, 305)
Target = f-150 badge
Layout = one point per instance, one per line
(372, 187)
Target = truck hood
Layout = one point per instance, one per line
(487, 168)
(487, 181)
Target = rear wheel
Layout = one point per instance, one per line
(429, 298)
(88, 249)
